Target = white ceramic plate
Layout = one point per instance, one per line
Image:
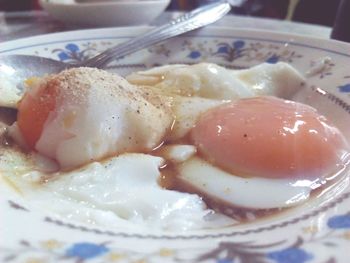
(318, 231)
(105, 13)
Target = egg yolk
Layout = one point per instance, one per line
(269, 137)
(33, 111)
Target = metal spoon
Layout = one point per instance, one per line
(20, 67)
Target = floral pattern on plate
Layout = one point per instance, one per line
(323, 234)
(302, 250)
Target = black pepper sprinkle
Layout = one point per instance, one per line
(138, 111)
(245, 135)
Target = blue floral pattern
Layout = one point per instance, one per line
(194, 54)
(85, 250)
(238, 51)
(290, 255)
(72, 53)
(339, 222)
(230, 51)
(331, 234)
(224, 252)
(273, 59)
(224, 260)
(345, 88)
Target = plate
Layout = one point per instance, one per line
(107, 13)
(318, 231)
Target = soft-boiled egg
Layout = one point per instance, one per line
(263, 143)
(85, 114)
(98, 148)
(270, 137)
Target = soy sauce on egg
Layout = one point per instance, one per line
(260, 155)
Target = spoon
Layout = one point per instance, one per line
(18, 68)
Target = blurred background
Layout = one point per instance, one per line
(321, 12)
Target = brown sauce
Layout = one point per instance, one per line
(169, 179)
(7, 117)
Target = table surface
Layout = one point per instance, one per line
(14, 25)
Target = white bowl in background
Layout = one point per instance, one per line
(105, 13)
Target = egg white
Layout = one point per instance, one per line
(10, 94)
(252, 193)
(122, 191)
(211, 81)
(186, 111)
(193, 89)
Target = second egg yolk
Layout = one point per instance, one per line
(269, 137)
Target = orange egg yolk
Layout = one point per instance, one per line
(33, 111)
(269, 137)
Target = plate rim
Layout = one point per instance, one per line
(192, 237)
(334, 43)
(130, 31)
